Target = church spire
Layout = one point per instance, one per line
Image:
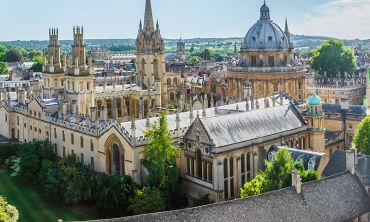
(286, 30)
(148, 18)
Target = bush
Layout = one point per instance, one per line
(204, 200)
(147, 201)
(13, 55)
(309, 175)
(6, 151)
(114, 195)
(253, 187)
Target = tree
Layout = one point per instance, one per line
(362, 136)
(3, 68)
(277, 175)
(13, 55)
(8, 213)
(147, 201)
(332, 57)
(160, 161)
(39, 61)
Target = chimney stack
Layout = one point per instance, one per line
(296, 181)
(93, 115)
(350, 160)
(22, 96)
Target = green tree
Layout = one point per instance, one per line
(8, 213)
(114, 194)
(253, 187)
(13, 55)
(362, 136)
(278, 173)
(147, 201)
(193, 59)
(332, 57)
(3, 68)
(39, 61)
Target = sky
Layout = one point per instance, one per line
(31, 19)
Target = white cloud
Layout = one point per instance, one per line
(347, 19)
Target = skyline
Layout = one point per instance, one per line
(120, 19)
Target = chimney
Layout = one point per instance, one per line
(93, 114)
(296, 181)
(350, 161)
(103, 113)
(65, 109)
(22, 96)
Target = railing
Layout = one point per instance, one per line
(266, 69)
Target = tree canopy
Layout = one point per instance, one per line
(13, 55)
(333, 57)
(277, 175)
(362, 136)
(3, 68)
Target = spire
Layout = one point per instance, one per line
(286, 30)
(140, 26)
(148, 18)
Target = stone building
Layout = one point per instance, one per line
(332, 90)
(181, 51)
(266, 62)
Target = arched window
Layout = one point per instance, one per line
(109, 158)
(82, 142)
(91, 145)
(116, 159)
(55, 133)
(311, 164)
(72, 139)
(156, 69)
(249, 161)
(231, 163)
(64, 136)
(226, 182)
(18, 120)
(242, 160)
(169, 82)
(64, 152)
(199, 164)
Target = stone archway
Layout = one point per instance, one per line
(114, 156)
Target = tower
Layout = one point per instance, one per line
(181, 51)
(79, 78)
(53, 70)
(315, 117)
(367, 97)
(150, 56)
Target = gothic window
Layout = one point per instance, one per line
(249, 161)
(213, 87)
(82, 158)
(242, 160)
(156, 69)
(82, 142)
(64, 152)
(169, 82)
(18, 120)
(187, 164)
(231, 163)
(55, 133)
(226, 182)
(311, 164)
(199, 163)
(72, 139)
(91, 145)
(109, 108)
(109, 158)
(64, 136)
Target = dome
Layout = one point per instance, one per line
(314, 100)
(265, 34)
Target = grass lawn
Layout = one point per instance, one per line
(33, 206)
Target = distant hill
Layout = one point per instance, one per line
(301, 42)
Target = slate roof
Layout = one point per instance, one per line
(353, 109)
(241, 127)
(337, 198)
(306, 155)
(337, 164)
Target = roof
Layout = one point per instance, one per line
(245, 126)
(337, 164)
(336, 108)
(337, 198)
(304, 154)
(314, 100)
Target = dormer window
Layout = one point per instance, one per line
(311, 164)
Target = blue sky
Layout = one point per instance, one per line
(30, 19)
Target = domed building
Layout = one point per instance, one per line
(267, 63)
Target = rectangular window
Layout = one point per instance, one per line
(271, 61)
(253, 61)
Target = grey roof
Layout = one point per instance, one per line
(336, 108)
(338, 198)
(337, 164)
(304, 154)
(240, 127)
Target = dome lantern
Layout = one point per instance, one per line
(265, 12)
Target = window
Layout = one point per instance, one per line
(64, 136)
(82, 158)
(253, 61)
(25, 126)
(18, 120)
(350, 126)
(55, 133)
(271, 156)
(64, 152)
(213, 87)
(311, 164)
(226, 183)
(199, 163)
(271, 61)
(91, 145)
(270, 38)
(92, 163)
(82, 142)
(72, 139)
